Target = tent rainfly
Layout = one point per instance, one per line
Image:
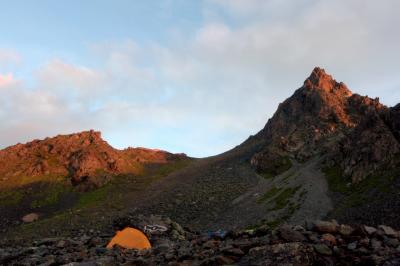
(130, 238)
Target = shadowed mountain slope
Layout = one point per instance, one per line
(326, 152)
(319, 151)
(74, 172)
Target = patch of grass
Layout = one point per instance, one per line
(11, 197)
(293, 207)
(358, 194)
(336, 181)
(267, 175)
(276, 167)
(280, 196)
(271, 224)
(113, 193)
(168, 168)
(92, 197)
(275, 223)
(353, 195)
(269, 194)
(51, 195)
(289, 176)
(49, 178)
(91, 209)
(282, 200)
(30, 230)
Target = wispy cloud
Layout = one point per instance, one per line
(8, 56)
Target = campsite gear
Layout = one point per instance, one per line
(155, 229)
(219, 233)
(130, 238)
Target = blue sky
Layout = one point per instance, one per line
(186, 76)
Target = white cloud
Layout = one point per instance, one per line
(7, 80)
(207, 93)
(60, 75)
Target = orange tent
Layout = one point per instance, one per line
(130, 238)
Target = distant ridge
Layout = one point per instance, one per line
(85, 158)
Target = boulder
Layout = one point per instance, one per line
(345, 230)
(323, 249)
(329, 238)
(389, 231)
(31, 217)
(325, 227)
(370, 230)
(290, 235)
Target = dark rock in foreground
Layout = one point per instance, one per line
(319, 243)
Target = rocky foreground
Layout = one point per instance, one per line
(316, 243)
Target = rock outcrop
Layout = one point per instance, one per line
(324, 117)
(371, 146)
(85, 158)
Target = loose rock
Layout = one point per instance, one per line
(31, 217)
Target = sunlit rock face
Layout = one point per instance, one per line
(323, 117)
(84, 158)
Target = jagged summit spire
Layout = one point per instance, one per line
(320, 80)
(318, 74)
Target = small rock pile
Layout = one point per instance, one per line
(317, 243)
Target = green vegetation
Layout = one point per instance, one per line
(92, 197)
(280, 196)
(276, 167)
(49, 178)
(293, 207)
(336, 181)
(50, 195)
(267, 175)
(289, 176)
(357, 194)
(275, 223)
(269, 194)
(11, 197)
(282, 200)
(122, 184)
(168, 168)
(92, 207)
(272, 223)
(284, 165)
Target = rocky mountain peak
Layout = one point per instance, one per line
(320, 81)
(85, 137)
(313, 119)
(317, 75)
